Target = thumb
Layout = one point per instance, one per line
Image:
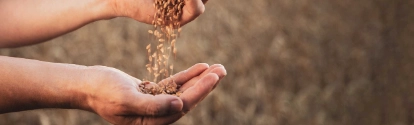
(204, 1)
(191, 10)
(158, 105)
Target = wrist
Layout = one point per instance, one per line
(75, 88)
(87, 91)
(83, 92)
(102, 9)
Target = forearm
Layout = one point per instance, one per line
(29, 84)
(25, 22)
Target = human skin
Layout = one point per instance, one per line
(26, 22)
(30, 84)
(27, 84)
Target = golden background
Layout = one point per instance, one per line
(289, 62)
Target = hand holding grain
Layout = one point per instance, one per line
(42, 20)
(116, 98)
(143, 10)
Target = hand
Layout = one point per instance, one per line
(196, 86)
(114, 95)
(143, 10)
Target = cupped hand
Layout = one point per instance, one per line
(114, 95)
(143, 10)
(197, 85)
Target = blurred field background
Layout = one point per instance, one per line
(289, 62)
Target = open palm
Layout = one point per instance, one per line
(118, 100)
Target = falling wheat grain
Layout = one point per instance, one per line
(160, 62)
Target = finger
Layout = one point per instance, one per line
(191, 72)
(162, 120)
(191, 10)
(158, 105)
(221, 73)
(205, 1)
(212, 69)
(196, 93)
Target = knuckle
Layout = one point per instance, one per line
(200, 10)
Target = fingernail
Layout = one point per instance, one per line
(175, 106)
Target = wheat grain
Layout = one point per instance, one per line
(166, 30)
